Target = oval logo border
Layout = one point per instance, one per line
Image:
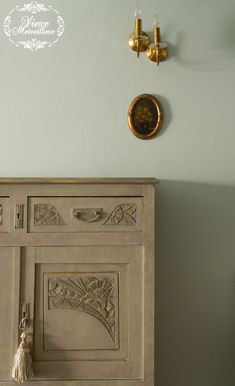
(33, 8)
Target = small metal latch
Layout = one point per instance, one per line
(19, 216)
(25, 310)
(24, 323)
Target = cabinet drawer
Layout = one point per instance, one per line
(85, 214)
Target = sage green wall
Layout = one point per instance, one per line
(64, 113)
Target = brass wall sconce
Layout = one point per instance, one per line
(158, 50)
(139, 41)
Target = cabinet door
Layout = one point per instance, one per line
(9, 306)
(87, 311)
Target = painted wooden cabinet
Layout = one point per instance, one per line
(80, 252)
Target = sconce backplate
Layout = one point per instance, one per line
(162, 53)
(139, 44)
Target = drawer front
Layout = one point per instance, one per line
(85, 214)
(4, 215)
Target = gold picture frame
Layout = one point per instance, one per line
(145, 116)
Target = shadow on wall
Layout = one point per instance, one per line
(195, 285)
(204, 38)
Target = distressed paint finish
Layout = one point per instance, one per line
(90, 284)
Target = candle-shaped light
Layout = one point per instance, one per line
(156, 21)
(137, 9)
(157, 51)
(156, 34)
(139, 40)
(138, 24)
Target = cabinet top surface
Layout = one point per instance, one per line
(128, 181)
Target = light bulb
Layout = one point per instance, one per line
(156, 21)
(137, 10)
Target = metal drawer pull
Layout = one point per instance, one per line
(88, 215)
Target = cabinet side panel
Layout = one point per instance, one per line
(149, 286)
(6, 308)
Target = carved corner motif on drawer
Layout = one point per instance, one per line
(90, 294)
(123, 214)
(1, 214)
(46, 214)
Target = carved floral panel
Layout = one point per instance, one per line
(124, 214)
(89, 294)
(46, 214)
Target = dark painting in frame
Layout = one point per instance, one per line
(145, 116)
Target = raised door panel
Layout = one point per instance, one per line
(88, 318)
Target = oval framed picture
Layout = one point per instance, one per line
(145, 116)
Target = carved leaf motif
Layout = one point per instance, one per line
(46, 214)
(90, 294)
(1, 214)
(124, 214)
